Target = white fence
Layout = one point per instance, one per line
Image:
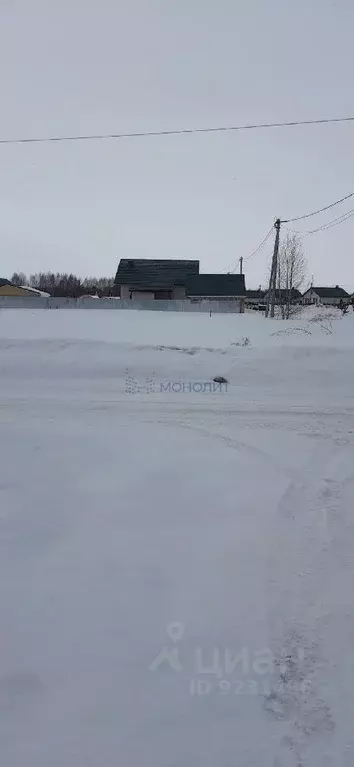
(7, 302)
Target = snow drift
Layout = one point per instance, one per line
(176, 559)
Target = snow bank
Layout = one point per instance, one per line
(177, 328)
(176, 568)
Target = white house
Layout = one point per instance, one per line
(327, 296)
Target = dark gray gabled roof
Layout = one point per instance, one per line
(284, 294)
(150, 273)
(255, 294)
(334, 292)
(4, 282)
(216, 285)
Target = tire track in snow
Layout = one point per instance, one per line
(231, 442)
(310, 535)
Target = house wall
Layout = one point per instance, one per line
(142, 295)
(162, 295)
(178, 293)
(333, 301)
(309, 299)
(124, 291)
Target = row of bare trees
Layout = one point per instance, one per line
(65, 285)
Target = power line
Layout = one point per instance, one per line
(329, 225)
(255, 252)
(321, 210)
(334, 222)
(340, 220)
(146, 134)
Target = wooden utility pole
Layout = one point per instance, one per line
(276, 253)
(273, 272)
(241, 265)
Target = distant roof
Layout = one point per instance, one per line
(284, 293)
(255, 293)
(216, 285)
(35, 291)
(331, 292)
(150, 273)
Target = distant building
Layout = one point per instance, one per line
(35, 292)
(221, 287)
(329, 296)
(255, 299)
(282, 296)
(170, 279)
(144, 278)
(7, 288)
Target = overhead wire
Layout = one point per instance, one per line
(175, 132)
(218, 129)
(340, 220)
(255, 252)
(316, 212)
(328, 225)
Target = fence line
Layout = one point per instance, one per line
(32, 302)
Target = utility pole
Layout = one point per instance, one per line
(273, 272)
(241, 265)
(276, 253)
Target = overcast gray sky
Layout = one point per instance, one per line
(87, 66)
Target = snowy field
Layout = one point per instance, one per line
(176, 562)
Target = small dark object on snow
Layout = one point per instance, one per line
(220, 379)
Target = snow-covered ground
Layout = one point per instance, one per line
(176, 562)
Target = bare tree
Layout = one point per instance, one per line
(19, 278)
(291, 272)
